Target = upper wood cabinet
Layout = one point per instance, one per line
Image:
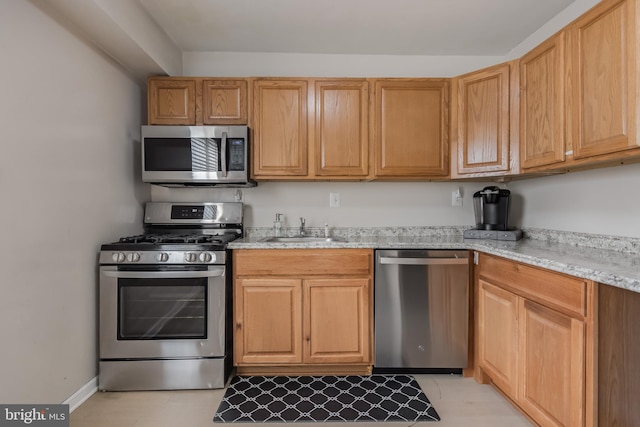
(319, 129)
(604, 43)
(171, 101)
(579, 107)
(578, 103)
(196, 101)
(307, 129)
(224, 102)
(280, 123)
(484, 122)
(542, 104)
(570, 103)
(341, 134)
(410, 128)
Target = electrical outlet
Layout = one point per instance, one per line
(456, 198)
(334, 200)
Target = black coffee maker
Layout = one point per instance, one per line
(491, 205)
(491, 208)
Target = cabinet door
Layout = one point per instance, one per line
(341, 136)
(618, 352)
(498, 330)
(552, 348)
(411, 128)
(604, 87)
(481, 107)
(171, 101)
(224, 102)
(542, 111)
(268, 321)
(280, 128)
(337, 321)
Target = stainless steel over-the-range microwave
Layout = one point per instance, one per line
(196, 155)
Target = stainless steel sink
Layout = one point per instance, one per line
(303, 239)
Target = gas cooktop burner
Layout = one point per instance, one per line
(168, 238)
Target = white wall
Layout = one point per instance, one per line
(69, 122)
(363, 204)
(571, 12)
(604, 201)
(319, 65)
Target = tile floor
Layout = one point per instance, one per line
(459, 402)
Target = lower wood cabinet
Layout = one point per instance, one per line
(618, 355)
(535, 340)
(336, 324)
(498, 322)
(304, 311)
(268, 319)
(552, 354)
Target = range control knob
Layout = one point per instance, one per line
(133, 257)
(191, 257)
(162, 257)
(118, 257)
(205, 257)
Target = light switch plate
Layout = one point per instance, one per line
(456, 198)
(334, 200)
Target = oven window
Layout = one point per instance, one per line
(162, 309)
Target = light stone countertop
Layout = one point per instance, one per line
(610, 260)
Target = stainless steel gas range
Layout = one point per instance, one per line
(165, 300)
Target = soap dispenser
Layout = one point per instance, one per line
(277, 225)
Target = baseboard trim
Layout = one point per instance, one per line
(80, 396)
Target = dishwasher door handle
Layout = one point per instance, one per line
(423, 261)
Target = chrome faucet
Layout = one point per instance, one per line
(302, 231)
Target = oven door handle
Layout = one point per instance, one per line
(163, 274)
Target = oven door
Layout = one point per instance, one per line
(162, 312)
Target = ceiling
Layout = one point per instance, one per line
(376, 27)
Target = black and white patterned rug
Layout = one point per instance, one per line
(324, 398)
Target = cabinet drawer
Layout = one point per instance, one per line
(565, 293)
(303, 262)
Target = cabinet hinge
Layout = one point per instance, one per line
(476, 258)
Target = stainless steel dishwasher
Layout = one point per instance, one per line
(421, 310)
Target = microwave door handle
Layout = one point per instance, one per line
(224, 154)
(163, 274)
